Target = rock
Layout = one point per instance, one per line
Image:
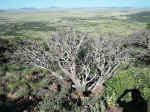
(115, 109)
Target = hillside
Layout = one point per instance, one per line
(80, 37)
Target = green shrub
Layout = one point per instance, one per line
(131, 78)
(148, 25)
(53, 105)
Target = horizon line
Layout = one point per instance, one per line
(74, 7)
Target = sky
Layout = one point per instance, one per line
(8, 4)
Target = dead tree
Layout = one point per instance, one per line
(140, 39)
(88, 63)
(139, 44)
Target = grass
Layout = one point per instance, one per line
(40, 24)
(136, 76)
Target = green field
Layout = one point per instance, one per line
(41, 24)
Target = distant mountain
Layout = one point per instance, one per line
(27, 9)
(22, 9)
(2, 10)
(36, 9)
(55, 8)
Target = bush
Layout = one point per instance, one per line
(139, 43)
(67, 105)
(130, 78)
(148, 26)
(140, 39)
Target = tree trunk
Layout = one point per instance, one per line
(115, 109)
(98, 90)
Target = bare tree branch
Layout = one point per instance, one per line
(88, 63)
